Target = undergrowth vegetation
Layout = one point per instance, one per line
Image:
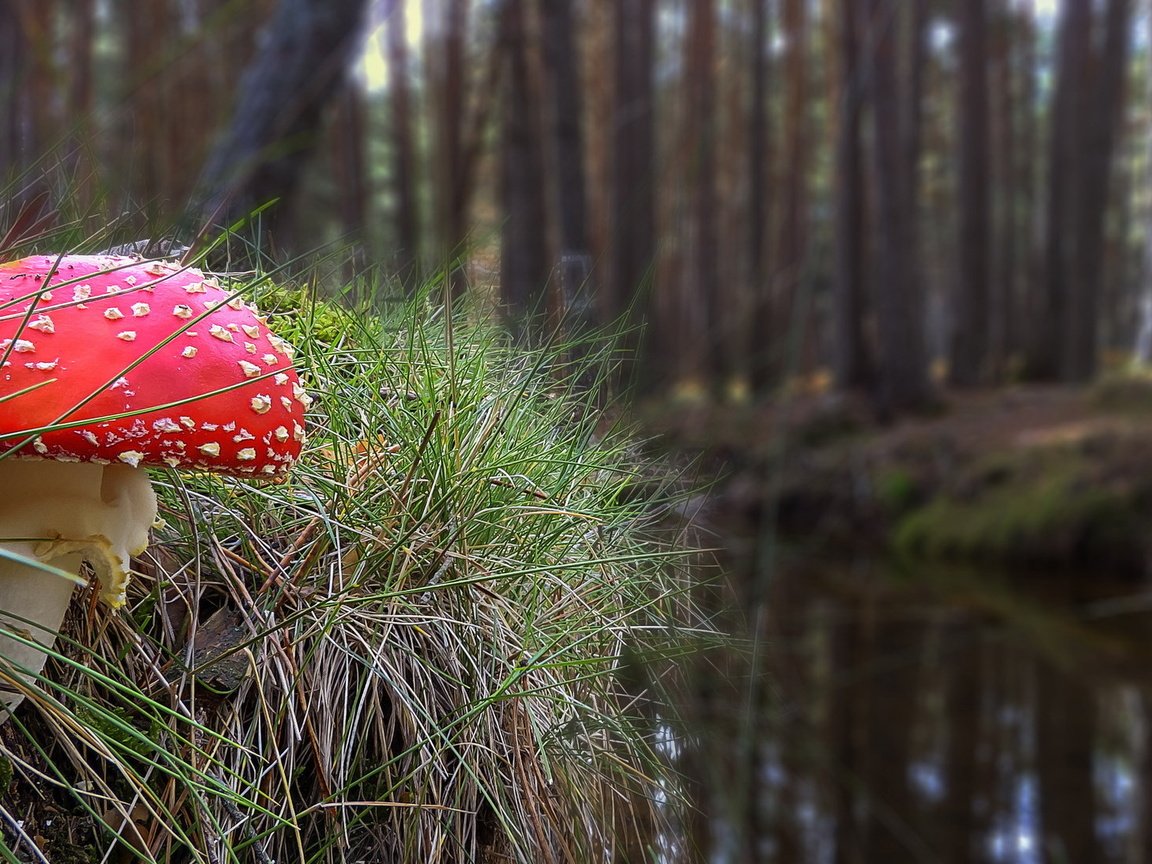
(411, 651)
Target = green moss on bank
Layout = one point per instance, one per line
(1126, 393)
(1052, 506)
(896, 488)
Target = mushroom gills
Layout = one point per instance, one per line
(61, 514)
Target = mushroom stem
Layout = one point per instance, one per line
(61, 514)
(32, 603)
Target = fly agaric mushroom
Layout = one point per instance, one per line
(109, 365)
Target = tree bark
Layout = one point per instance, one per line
(1005, 159)
(406, 215)
(1065, 158)
(850, 357)
(913, 16)
(1028, 131)
(1099, 128)
(1143, 344)
(448, 90)
(15, 146)
(1084, 122)
(634, 190)
(349, 157)
(792, 247)
(969, 349)
(276, 124)
(145, 75)
(38, 21)
(902, 379)
(598, 40)
(524, 264)
(80, 57)
(759, 204)
(701, 309)
(569, 204)
(563, 69)
(79, 111)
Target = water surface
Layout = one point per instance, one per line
(884, 714)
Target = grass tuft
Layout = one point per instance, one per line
(413, 650)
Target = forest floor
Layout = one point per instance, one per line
(1018, 475)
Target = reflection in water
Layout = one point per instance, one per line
(939, 716)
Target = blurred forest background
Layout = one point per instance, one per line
(885, 193)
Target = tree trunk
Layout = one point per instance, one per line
(969, 354)
(911, 19)
(524, 263)
(406, 215)
(913, 15)
(851, 362)
(1119, 283)
(1098, 126)
(448, 92)
(1028, 131)
(598, 40)
(39, 24)
(31, 124)
(146, 70)
(759, 209)
(791, 249)
(349, 139)
(26, 211)
(1087, 100)
(634, 189)
(561, 62)
(276, 124)
(902, 383)
(701, 290)
(1143, 340)
(15, 146)
(79, 102)
(80, 59)
(1003, 259)
(190, 59)
(1065, 160)
(912, 51)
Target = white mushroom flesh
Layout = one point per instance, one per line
(61, 514)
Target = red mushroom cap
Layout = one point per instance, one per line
(86, 338)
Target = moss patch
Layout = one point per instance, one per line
(896, 488)
(1130, 392)
(299, 316)
(1051, 506)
